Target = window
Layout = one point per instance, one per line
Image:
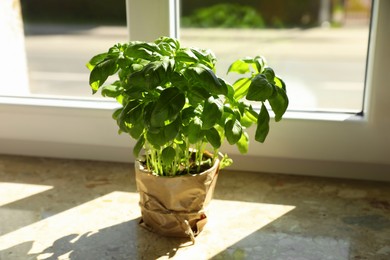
(330, 144)
(59, 40)
(317, 47)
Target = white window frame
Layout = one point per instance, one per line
(333, 145)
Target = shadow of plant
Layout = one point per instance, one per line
(126, 240)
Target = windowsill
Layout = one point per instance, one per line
(58, 102)
(89, 210)
(109, 105)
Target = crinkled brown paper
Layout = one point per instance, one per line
(175, 206)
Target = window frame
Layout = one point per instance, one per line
(320, 144)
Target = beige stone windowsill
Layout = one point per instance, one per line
(70, 209)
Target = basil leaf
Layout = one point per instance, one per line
(260, 89)
(113, 90)
(262, 125)
(233, 130)
(243, 143)
(101, 72)
(239, 66)
(195, 130)
(213, 137)
(168, 155)
(279, 103)
(204, 77)
(168, 106)
(96, 60)
(241, 87)
(212, 112)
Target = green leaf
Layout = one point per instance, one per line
(143, 50)
(279, 103)
(213, 137)
(230, 89)
(132, 112)
(136, 83)
(117, 50)
(135, 115)
(168, 44)
(116, 113)
(241, 87)
(260, 63)
(243, 143)
(260, 89)
(138, 146)
(96, 60)
(155, 139)
(161, 136)
(197, 95)
(239, 66)
(113, 90)
(187, 114)
(212, 112)
(168, 106)
(155, 74)
(135, 130)
(233, 130)
(225, 162)
(262, 125)
(178, 80)
(101, 72)
(148, 109)
(130, 119)
(168, 155)
(194, 130)
(136, 67)
(172, 130)
(204, 77)
(186, 55)
(248, 118)
(269, 74)
(206, 57)
(121, 124)
(280, 83)
(228, 109)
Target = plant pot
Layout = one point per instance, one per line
(175, 206)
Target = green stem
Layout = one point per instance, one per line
(147, 156)
(199, 154)
(187, 153)
(176, 162)
(159, 162)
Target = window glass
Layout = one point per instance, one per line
(318, 47)
(57, 40)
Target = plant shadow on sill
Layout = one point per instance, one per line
(126, 240)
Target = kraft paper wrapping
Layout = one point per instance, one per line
(175, 206)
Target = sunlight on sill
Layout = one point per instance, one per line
(11, 192)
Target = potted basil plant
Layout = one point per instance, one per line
(180, 113)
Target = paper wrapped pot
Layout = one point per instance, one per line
(175, 206)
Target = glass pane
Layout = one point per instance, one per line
(60, 38)
(318, 47)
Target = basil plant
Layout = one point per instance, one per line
(176, 107)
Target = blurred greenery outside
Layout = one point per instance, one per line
(200, 14)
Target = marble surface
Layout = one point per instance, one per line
(70, 209)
